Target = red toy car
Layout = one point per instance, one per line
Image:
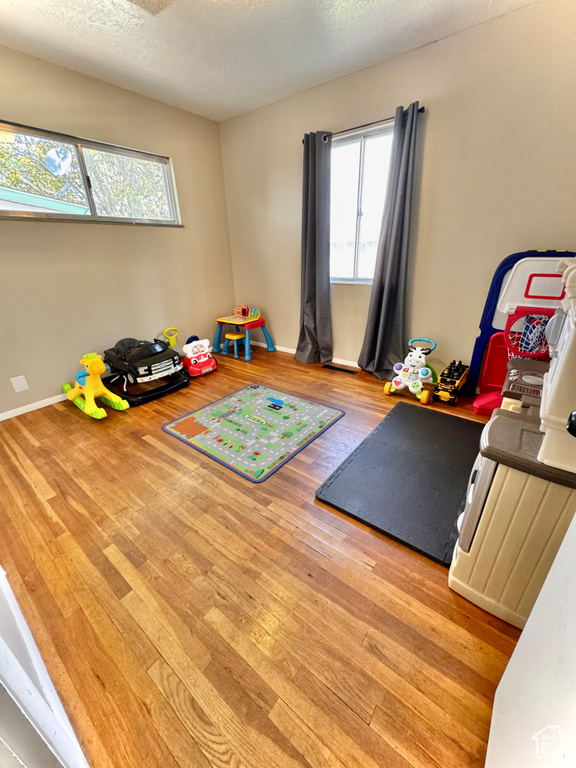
(198, 360)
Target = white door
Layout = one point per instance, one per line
(34, 728)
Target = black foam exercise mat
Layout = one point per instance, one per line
(408, 478)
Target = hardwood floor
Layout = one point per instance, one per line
(191, 618)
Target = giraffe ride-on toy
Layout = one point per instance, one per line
(88, 386)
(414, 372)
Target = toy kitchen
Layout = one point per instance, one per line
(521, 494)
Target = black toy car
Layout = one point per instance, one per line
(134, 363)
(450, 382)
(142, 361)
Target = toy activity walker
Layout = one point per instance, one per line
(142, 370)
(414, 373)
(88, 386)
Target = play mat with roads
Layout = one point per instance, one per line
(255, 430)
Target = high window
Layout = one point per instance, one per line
(46, 175)
(359, 174)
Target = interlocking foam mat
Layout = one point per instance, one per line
(408, 478)
(255, 430)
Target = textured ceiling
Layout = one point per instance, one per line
(220, 58)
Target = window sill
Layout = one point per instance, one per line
(336, 281)
(24, 216)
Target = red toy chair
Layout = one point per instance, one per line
(492, 376)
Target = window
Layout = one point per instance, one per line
(46, 176)
(359, 175)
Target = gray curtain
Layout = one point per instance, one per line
(315, 340)
(385, 336)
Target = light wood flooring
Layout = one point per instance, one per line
(191, 618)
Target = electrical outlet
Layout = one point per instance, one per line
(19, 383)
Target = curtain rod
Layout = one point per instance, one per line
(367, 125)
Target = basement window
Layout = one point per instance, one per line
(360, 161)
(54, 177)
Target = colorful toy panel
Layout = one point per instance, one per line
(243, 315)
(246, 312)
(254, 431)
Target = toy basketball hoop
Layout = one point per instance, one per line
(525, 332)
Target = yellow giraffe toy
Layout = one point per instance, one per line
(88, 386)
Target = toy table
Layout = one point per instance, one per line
(245, 324)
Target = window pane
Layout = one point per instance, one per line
(374, 181)
(345, 160)
(41, 175)
(127, 187)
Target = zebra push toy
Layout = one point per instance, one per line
(414, 373)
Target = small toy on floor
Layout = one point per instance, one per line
(450, 382)
(414, 373)
(88, 386)
(198, 361)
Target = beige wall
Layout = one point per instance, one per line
(67, 289)
(498, 173)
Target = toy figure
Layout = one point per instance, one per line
(414, 372)
(88, 386)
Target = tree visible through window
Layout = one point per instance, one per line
(126, 186)
(46, 176)
(359, 174)
(42, 171)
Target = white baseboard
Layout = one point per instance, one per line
(279, 349)
(350, 363)
(336, 360)
(32, 406)
(60, 398)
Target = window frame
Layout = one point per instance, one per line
(348, 137)
(93, 217)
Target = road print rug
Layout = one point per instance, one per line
(255, 430)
